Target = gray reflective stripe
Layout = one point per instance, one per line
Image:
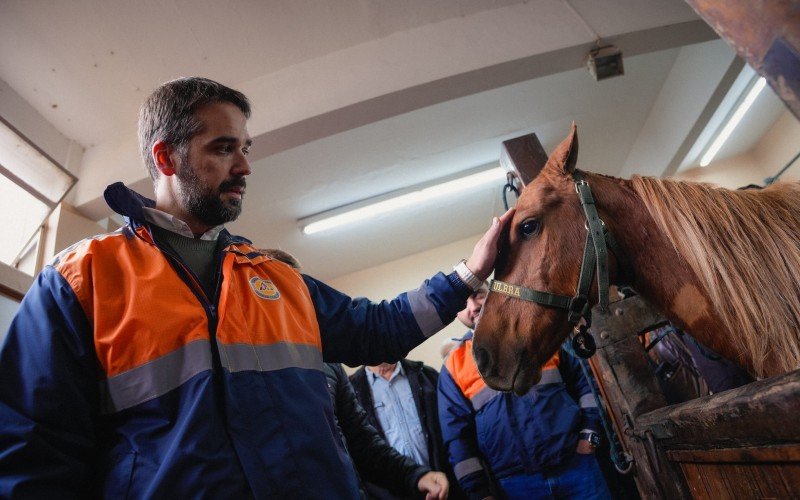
(424, 312)
(587, 401)
(241, 357)
(482, 397)
(170, 371)
(155, 378)
(467, 467)
(550, 376)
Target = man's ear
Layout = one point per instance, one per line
(163, 158)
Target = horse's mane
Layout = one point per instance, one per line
(744, 246)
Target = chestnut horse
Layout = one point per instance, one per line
(722, 265)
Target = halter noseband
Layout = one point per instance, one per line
(595, 258)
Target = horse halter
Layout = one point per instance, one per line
(595, 257)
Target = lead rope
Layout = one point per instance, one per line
(622, 460)
(509, 187)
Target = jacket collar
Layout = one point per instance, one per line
(467, 336)
(128, 203)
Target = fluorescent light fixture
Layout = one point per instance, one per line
(734, 120)
(400, 199)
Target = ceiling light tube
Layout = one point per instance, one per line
(734, 120)
(396, 200)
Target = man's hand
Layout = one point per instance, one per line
(585, 447)
(434, 485)
(481, 262)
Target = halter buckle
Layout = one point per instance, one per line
(602, 224)
(578, 308)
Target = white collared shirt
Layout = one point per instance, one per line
(171, 223)
(397, 414)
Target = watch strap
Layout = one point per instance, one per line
(591, 436)
(467, 277)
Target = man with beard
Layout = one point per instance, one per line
(171, 359)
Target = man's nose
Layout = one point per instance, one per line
(242, 166)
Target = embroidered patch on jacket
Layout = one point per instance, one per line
(265, 289)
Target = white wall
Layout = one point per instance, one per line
(18, 282)
(388, 280)
(70, 228)
(22, 116)
(773, 151)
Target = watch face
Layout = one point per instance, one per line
(592, 437)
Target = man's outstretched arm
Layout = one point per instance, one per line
(358, 331)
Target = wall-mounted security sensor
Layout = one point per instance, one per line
(605, 62)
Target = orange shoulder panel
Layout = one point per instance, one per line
(139, 307)
(553, 362)
(464, 371)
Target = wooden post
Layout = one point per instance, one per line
(524, 156)
(631, 389)
(766, 34)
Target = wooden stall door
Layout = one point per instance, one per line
(772, 472)
(741, 443)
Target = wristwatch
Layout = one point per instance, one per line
(472, 281)
(591, 436)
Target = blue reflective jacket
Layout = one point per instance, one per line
(491, 435)
(119, 377)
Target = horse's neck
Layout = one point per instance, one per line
(660, 274)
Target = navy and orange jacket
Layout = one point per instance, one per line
(491, 435)
(120, 378)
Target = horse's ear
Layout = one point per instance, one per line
(565, 156)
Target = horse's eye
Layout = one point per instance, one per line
(529, 227)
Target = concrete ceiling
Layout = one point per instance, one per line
(353, 99)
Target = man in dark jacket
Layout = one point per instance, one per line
(422, 381)
(374, 460)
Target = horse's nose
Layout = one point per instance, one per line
(483, 359)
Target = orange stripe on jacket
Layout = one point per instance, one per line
(141, 309)
(464, 371)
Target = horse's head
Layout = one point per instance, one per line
(542, 250)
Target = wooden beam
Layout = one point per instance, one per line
(765, 33)
(785, 453)
(763, 412)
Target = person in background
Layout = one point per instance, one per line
(171, 359)
(687, 369)
(400, 400)
(540, 445)
(374, 460)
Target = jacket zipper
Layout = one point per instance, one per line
(209, 306)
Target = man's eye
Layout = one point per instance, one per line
(246, 151)
(225, 149)
(529, 227)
